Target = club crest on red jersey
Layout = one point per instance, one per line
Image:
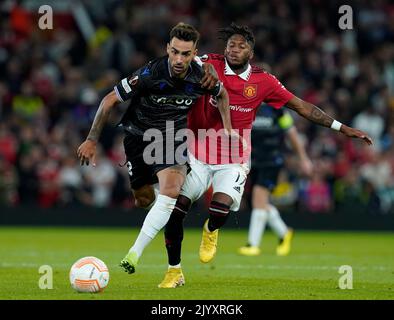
(250, 91)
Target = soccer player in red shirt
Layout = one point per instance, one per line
(222, 167)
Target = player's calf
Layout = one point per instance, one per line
(219, 210)
(144, 196)
(171, 180)
(174, 230)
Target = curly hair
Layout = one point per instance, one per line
(228, 32)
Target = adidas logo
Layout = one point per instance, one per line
(237, 188)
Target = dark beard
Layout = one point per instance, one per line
(238, 67)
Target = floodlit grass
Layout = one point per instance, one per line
(311, 271)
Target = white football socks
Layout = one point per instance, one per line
(155, 220)
(140, 244)
(257, 224)
(276, 223)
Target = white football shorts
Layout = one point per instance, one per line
(225, 178)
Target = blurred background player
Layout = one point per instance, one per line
(268, 139)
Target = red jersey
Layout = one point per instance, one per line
(247, 91)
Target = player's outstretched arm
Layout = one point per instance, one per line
(87, 150)
(318, 116)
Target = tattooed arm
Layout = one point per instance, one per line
(318, 116)
(87, 150)
(224, 109)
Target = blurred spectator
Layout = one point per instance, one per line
(317, 195)
(28, 180)
(378, 174)
(102, 177)
(372, 123)
(48, 181)
(8, 184)
(8, 145)
(350, 189)
(117, 52)
(342, 165)
(27, 104)
(70, 181)
(377, 171)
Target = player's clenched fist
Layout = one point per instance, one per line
(87, 152)
(210, 78)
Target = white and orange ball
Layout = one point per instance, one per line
(89, 274)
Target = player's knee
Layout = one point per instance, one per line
(182, 206)
(218, 208)
(171, 190)
(223, 199)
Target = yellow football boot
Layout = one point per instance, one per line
(250, 251)
(173, 278)
(208, 244)
(283, 249)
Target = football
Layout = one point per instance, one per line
(89, 274)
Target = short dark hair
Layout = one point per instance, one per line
(228, 32)
(185, 32)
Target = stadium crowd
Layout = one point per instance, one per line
(51, 82)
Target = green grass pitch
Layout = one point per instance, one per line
(309, 272)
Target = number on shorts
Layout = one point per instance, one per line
(129, 168)
(240, 183)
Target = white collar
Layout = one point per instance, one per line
(244, 75)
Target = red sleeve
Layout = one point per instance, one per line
(212, 57)
(277, 95)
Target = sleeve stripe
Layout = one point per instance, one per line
(126, 86)
(117, 94)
